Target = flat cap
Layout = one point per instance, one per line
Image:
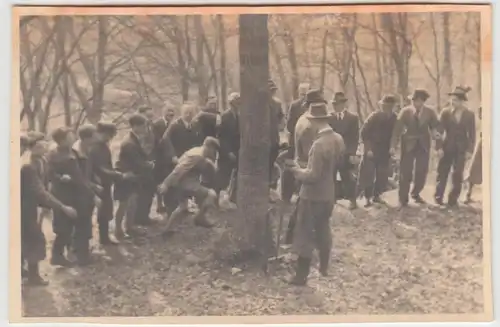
(60, 134)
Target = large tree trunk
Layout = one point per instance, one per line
(95, 111)
(253, 172)
(200, 61)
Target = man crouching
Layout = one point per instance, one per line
(184, 182)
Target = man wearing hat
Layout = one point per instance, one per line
(305, 135)
(459, 126)
(229, 138)
(34, 194)
(276, 121)
(412, 131)
(101, 158)
(134, 160)
(317, 196)
(346, 124)
(297, 109)
(376, 136)
(184, 182)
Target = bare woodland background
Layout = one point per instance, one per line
(76, 68)
(84, 68)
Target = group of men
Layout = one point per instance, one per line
(195, 157)
(324, 144)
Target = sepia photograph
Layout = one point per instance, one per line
(282, 164)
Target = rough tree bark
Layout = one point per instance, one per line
(253, 172)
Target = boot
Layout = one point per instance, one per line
(324, 260)
(104, 234)
(34, 278)
(301, 272)
(83, 253)
(58, 258)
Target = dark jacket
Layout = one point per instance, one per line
(182, 137)
(458, 135)
(33, 194)
(414, 130)
(376, 133)
(229, 135)
(159, 128)
(204, 124)
(297, 109)
(100, 155)
(348, 128)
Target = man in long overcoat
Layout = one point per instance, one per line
(346, 124)
(229, 138)
(276, 124)
(297, 109)
(34, 194)
(412, 131)
(459, 126)
(70, 186)
(317, 197)
(376, 135)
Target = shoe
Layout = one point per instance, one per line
(108, 241)
(353, 205)
(418, 199)
(439, 201)
(37, 281)
(453, 204)
(377, 199)
(301, 272)
(61, 261)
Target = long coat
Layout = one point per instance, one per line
(297, 109)
(229, 138)
(33, 194)
(348, 128)
(134, 159)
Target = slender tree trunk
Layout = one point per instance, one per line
(95, 112)
(380, 79)
(222, 45)
(200, 61)
(437, 78)
(283, 82)
(447, 66)
(253, 172)
(479, 56)
(65, 78)
(324, 44)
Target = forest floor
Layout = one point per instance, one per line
(423, 259)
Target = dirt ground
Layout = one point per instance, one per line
(420, 260)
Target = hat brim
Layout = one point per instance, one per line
(309, 116)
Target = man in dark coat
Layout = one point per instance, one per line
(317, 197)
(159, 128)
(138, 163)
(185, 181)
(33, 194)
(297, 109)
(101, 158)
(82, 233)
(346, 124)
(413, 132)
(376, 135)
(459, 126)
(276, 125)
(149, 143)
(229, 138)
(70, 186)
(180, 131)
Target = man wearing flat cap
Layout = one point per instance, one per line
(33, 195)
(134, 160)
(317, 196)
(415, 126)
(229, 138)
(346, 124)
(297, 109)
(376, 135)
(459, 126)
(101, 158)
